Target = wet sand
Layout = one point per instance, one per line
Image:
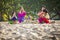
(28, 31)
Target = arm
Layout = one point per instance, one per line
(47, 16)
(14, 15)
(40, 14)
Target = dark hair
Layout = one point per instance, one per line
(44, 6)
(21, 7)
(45, 10)
(12, 12)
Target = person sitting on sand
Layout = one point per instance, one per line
(42, 16)
(21, 14)
(14, 17)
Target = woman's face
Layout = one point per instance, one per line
(43, 8)
(21, 9)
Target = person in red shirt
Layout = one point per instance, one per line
(42, 18)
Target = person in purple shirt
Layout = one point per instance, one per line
(21, 15)
(14, 17)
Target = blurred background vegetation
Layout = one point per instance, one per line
(31, 6)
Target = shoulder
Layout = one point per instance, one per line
(24, 11)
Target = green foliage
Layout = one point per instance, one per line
(7, 6)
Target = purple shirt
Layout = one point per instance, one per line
(22, 14)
